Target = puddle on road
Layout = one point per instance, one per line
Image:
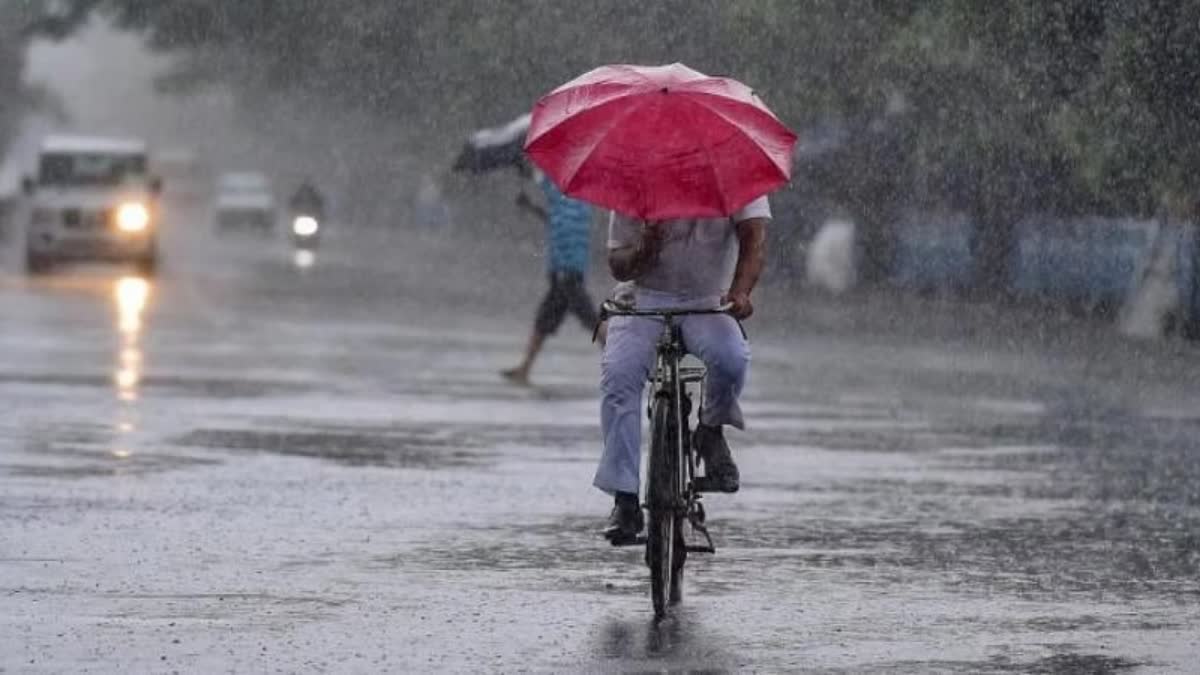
(425, 449)
(569, 543)
(1063, 553)
(91, 450)
(115, 463)
(258, 608)
(683, 642)
(1065, 663)
(1094, 664)
(472, 434)
(427, 446)
(180, 385)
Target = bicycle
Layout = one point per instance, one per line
(673, 490)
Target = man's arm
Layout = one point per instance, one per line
(751, 260)
(627, 263)
(526, 203)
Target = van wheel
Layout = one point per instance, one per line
(36, 264)
(147, 266)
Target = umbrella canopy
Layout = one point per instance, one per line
(659, 142)
(499, 147)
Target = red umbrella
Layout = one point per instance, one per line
(659, 142)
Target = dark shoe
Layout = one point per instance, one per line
(625, 522)
(518, 376)
(720, 473)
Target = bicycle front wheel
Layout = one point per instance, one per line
(662, 496)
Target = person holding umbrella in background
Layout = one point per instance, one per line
(685, 161)
(568, 236)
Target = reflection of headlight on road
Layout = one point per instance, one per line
(304, 259)
(132, 293)
(133, 217)
(305, 226)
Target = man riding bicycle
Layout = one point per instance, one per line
(686, 263)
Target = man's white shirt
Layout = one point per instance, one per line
(698, 255)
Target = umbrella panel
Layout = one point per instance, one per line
(666, 156)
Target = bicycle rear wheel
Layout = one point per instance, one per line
(663, 529)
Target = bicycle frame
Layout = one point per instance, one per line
(672, 498)
(669, 378)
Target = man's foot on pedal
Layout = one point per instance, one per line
(720, 472)
(516, 376)
(625, 522)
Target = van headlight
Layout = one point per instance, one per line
(133, 217)
(305, 226)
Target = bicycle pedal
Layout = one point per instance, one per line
(703, 484)
(706, 545)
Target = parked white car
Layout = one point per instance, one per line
(245, 203)
(92, 198)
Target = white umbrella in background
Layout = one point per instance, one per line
(494, 148)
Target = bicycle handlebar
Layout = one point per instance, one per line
(610, 308)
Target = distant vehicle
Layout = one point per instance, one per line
(245, 203)
(92, 199)
(306, 216)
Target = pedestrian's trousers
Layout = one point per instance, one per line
(628, 359)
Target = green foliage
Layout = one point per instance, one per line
(1062, 104)
(20, 21)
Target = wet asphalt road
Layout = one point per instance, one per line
(246, 465)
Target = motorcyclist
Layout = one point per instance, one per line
(306, 200)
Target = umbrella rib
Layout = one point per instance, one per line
(712, 167)
(698, 100)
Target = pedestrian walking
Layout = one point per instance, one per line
(568, 224)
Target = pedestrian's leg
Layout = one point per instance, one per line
(582, 305)
(625, 367)
(520, 374)
(717, 340)
(550, 314)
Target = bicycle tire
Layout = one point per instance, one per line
(662, 528)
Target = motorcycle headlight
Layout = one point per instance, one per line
(305, 226)
(133, 217)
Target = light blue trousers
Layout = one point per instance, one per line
(627, 363)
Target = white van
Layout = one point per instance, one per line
(92, 199)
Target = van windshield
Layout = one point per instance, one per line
(90, 169)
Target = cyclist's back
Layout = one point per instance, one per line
(693, 264)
